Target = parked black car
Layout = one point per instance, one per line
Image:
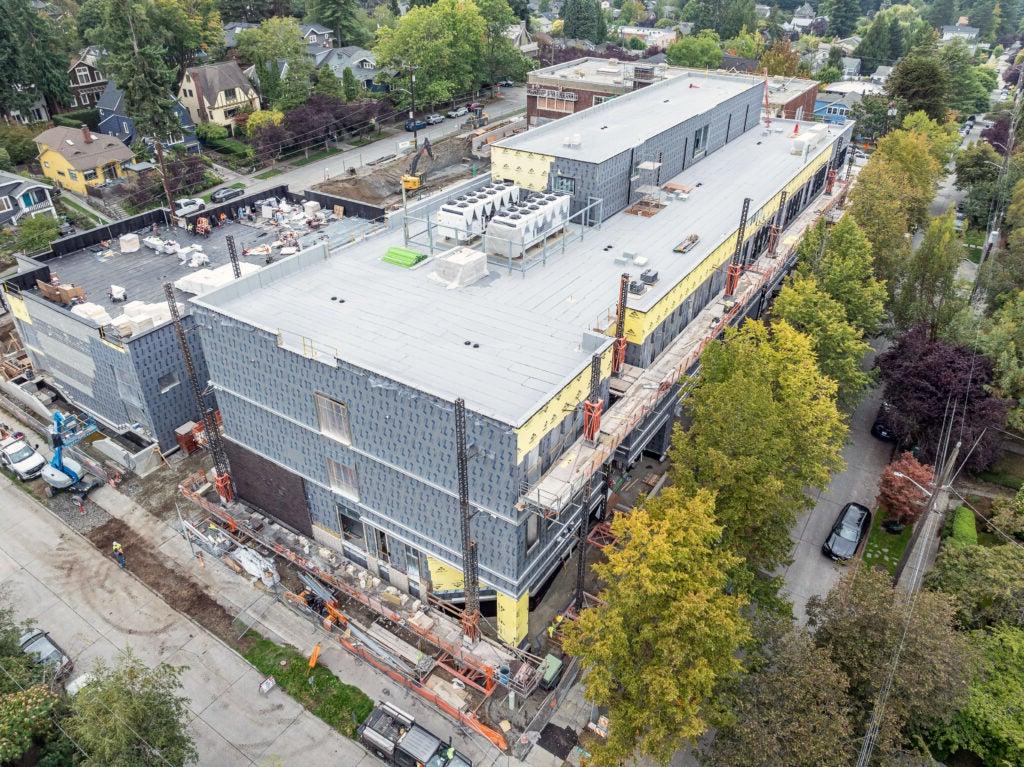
(851, 528)
(881, 429)
(225, 194)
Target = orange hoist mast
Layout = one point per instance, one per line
(619, 350)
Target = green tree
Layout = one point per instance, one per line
(296, 86)
(187, 29)
(986, 584)
(88, 19)
(584, 20)
(726, 17)
(943, 138)
(136, 60)
(838, 345)
(765, 430)
(36, 233)
(873, 117)
(920, 80)
(970, 86)
(844, 270)
(861, 621)
(666, 632)
(928, 293)
(991, 724)
(443, 42)
(828, 75)
(913, 154)
(127, 702)
(878, 206)
(339, 15)
(781, 59)
(349, 84)
(253, 11)
(701, 50)
(32, 63)
(502, 58)
(842, 16)
(873, 50)
(275, 39)
(5, 160)
(794, 711)
(258, 120)
(631, 12)
(328, 84)
(941, 12)
(749, 45)
(1002, 341)
(978, 163)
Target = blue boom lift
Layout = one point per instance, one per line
(65, 473)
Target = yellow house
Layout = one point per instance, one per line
(217, 93)
(78, 158)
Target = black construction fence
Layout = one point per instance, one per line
(104, 233)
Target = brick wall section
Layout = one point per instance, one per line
(268, 486)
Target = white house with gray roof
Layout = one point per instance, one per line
(21, 197)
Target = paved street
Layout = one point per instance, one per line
(512, 100)
(812, 573)
(61, 582)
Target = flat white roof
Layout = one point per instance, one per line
(613, 127)
(528, 327)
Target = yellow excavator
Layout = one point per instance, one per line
(412, 179)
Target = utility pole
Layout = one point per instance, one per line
(163, 176)
(929, 520)
(412, 108)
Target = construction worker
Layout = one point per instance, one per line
(555, 625)
(119, 555)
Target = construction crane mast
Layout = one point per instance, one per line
(233, 255)
(619, 352)
(225, 488)
(777, 224)
(470, 565)
(591, 428)
(732, 277)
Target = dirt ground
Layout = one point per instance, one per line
(382, 184)
(157, 492)
(176, 588)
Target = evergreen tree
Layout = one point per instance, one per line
(253, 11)
(983, 16)
(338, 15)
(349, 85)
(31, 62)
(842, 16)
(940, 12)
(920, 80)
(873, 50)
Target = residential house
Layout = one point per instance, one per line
(253, 75)
(36, 113)
(85, 79)
(803, 17)
(520, 35)
(317, 34)
(850, 67)
(849, 44)
(359, 60)
(734, 63)
(881, 75)
(961, 31)
(762, 11)
(217, 93)
(20, 197)
(231, 30)
(835, 107)
(115, 121)
(78, 158)
(650, 36)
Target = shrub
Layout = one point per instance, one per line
(76, 118)
(210, 132)
(963, 532)
(18, 141)
(898, 490)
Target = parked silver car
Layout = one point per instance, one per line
(44, 650)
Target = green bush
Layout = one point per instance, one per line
(211, 132)
(18, 141)
(76, 118)
(231, 146)
(963, 530)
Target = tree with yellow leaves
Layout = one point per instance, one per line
(667, 631)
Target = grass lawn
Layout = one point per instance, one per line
(236, 185)
(974, 242)
(268, 173)
(885, 549)
(1008, 471)
(314, 156)
(340, 705)
(80, 212)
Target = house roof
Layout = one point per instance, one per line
(214, 78)
(318, 28)
(960, 29)
(89, 56)
(346, 56)
(69, 143)
(11, 184)
(112, 99)
(232, 28)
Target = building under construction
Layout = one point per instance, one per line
(559, 298)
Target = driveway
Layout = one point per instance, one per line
(55, 578)
(812, 573)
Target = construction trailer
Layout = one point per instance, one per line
(337, 371)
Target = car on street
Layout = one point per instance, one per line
(434, 119)
(415, 125)
(186, 206)
(847, 534)
(20, 458)
(225, 194)
(45, 652)
(458, 112)
(507, 84)
(860, 157)
(881, 429)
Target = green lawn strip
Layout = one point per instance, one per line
(884, 549)
(90, 217)
(236, 185)
(314, 156)
(268, 173)
(974, 242)
(340, 705)
(1002, 478)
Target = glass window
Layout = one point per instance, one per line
(343, 479)
(352, 530)
(230, 94)
(555, 105)
(531, 532)
(700, 140)
(412, 564)
(83, 75)
(73, 175)
(167, 382)
(564, 184)
(89, 175)
(333, 418)
(5, 203)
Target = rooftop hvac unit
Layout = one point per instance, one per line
(460, 267)
(648, 276)
(637, 288)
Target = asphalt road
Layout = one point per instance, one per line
(512, 100)
(812, 573)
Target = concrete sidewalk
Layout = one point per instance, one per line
(57, 579)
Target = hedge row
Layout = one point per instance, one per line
(76, 118)
(964, 532)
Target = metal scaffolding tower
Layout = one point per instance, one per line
(591, 428)
(619, 352)
(732, 279)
